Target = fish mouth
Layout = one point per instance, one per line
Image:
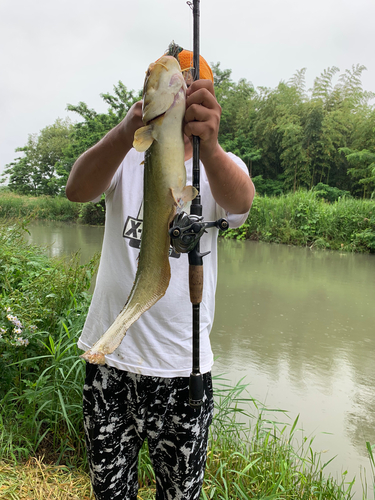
(156, 118)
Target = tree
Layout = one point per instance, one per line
(279, 126)
(237, 117)
(36, 172)
(363, 169)
(293, 157)
(284, 135)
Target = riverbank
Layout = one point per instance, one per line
(40, 400)
(301, 218)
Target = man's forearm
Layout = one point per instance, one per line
(231, 187)
(92, 172)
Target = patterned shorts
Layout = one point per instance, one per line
(121, 409)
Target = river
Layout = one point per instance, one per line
(298, 325)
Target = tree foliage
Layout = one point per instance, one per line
(37, 171)
(288, 136)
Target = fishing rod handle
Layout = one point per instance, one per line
(196, 283)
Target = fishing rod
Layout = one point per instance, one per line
(186, 232)
(195, 257)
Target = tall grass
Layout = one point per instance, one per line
(42, 207)
(56, 208)
(45, 403)
(255, 456)
(304, 219)
(371, 455)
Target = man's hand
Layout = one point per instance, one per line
(133, 121)
(202, 117)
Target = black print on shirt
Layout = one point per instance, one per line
(133, 231)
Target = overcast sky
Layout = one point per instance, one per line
(56, 52)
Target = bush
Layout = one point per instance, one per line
(269, 187)
(329, 193)
(93, 213)
(56, 208)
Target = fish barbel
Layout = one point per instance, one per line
(164, 101)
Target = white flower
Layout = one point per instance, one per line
(22, 341)
(14, 320)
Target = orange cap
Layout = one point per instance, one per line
(185, 58)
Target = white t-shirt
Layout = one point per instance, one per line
(160, 342)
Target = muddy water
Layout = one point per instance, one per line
(298, 325)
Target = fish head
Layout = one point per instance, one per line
(164, 86)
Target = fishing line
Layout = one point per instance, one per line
(190, 4)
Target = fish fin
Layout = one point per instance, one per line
(182, 197)
(143, 138)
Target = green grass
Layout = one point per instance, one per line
(56, 208)
(254, 456)
(41, 207)
(304, 219)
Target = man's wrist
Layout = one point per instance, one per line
(126, 134)
(212, 155)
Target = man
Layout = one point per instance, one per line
(142, 391)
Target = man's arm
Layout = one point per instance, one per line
(232, 189)
(93, 171)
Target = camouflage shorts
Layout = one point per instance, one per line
(121, 409)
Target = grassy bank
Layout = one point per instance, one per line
(49, 208)
(43, 304)
(257, 459)
(41, 207)
(302, 218)
(306, 220)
